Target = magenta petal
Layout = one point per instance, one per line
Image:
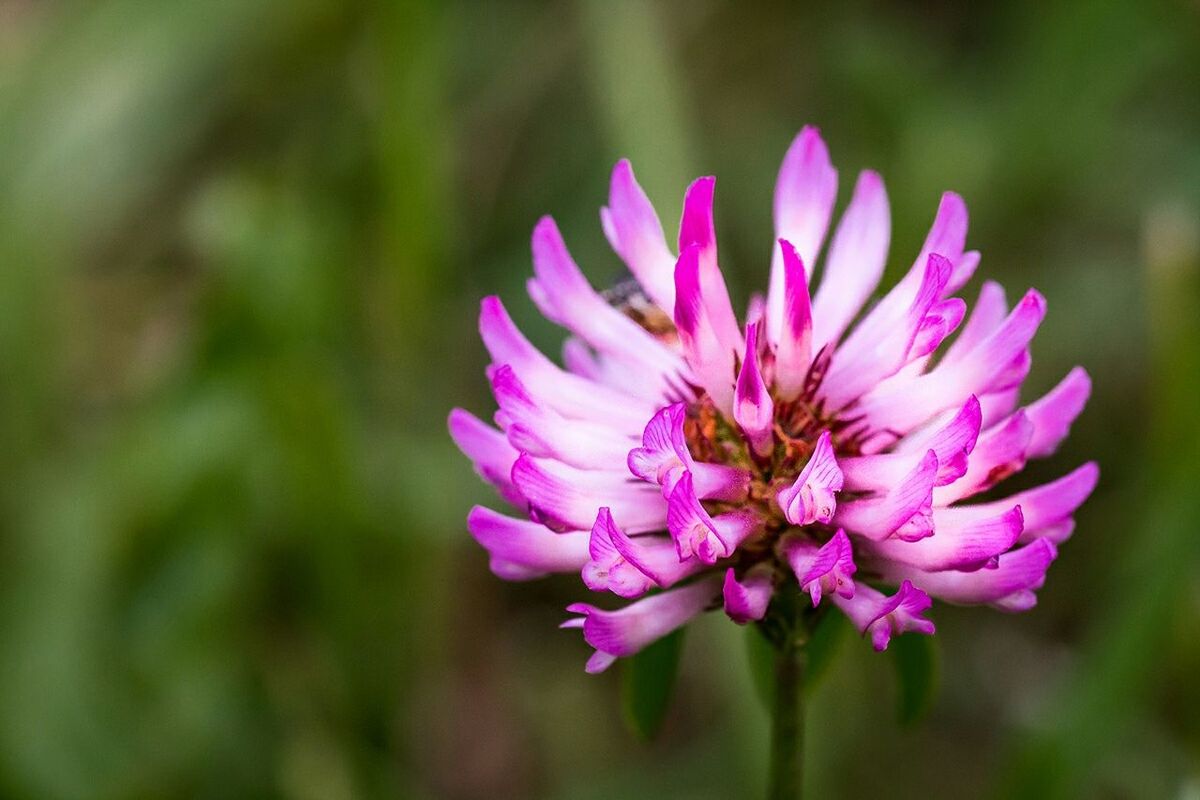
(793, 346)
(664, 457)
(696, 229)
(698, 534)
(710, 356)
(747, 600)
(570, 498)
(654, 556)
(607, 569)
(753, 408)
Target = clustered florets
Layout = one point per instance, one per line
(695, 463)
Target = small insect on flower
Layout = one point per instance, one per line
(689, 461)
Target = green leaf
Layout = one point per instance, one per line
(823, 647)
(916, 661)
(647, 681)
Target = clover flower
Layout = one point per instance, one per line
(691, 462)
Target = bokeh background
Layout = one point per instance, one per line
(242, 244)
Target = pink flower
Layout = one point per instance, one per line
(693, 462)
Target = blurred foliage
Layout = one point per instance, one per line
(241, 244)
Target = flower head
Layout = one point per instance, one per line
(692, 462)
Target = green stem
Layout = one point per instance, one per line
(786, 770)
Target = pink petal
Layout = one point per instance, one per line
(637, 236)
(521, 550)
(804, 196)
(568, 394)
(1011, 584)
(855, 262)
(1053, 414)
(488, 450)
(628, 630)
(1001, 451)
(570, 498)
(952, 441)
(540, 431)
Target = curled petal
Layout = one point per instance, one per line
(664, 457)
(959, 541)
(951, 439)
(522, 550)
(904, 510)
(654, 556)
(882, 617)
(1010, 586)
(747, 600)
(1053, 414)
(822, 569)
(699, 535)
(570, 498)
(607, 569)
(811, 498)
(999, 453)
(626, 631)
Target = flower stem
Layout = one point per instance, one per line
(786, 770)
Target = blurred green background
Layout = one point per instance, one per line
(242, 244)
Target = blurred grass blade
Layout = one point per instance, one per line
(648, 682)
